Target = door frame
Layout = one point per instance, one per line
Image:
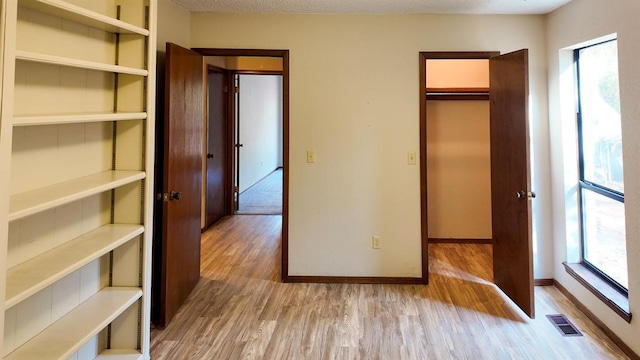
(424, 56)
(284, 55)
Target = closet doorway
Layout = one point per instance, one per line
(458, 151)
(475, 174)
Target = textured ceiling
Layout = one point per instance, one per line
(375, 6)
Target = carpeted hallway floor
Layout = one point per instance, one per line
(264, 197)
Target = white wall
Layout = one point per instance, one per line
(260, 127)
(575, 23)
(354, 100)
(173, 25)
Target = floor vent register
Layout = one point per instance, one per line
(563, 325)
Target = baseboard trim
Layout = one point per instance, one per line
(616, 340)
(355, 280)
(459, 241)
(543, 282)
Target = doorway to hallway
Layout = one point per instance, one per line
(258, 142)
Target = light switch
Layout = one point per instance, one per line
(311, 156)
(411, 158)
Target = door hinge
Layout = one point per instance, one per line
(162, 196)
(236, 189)
(237, 89)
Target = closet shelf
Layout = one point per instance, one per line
(119, 354)
(81, 64)
(81, 15)
(67, 335)
(23, 120)
(28, 278)
(31, 202)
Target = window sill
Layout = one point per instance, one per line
(603, 291)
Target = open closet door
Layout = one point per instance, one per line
(184, 107)
(510, 178)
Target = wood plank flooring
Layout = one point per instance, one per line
(240, 310)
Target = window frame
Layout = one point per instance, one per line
(586, 185)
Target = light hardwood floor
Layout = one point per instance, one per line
(240, 310)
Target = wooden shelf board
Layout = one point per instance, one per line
(38, 200)
(77, 63)
(28, 278)
(119, 354)
(81, 15)
(66, 336)
(23, 120)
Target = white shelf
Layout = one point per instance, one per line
(31, 202)
(23, 120)
(119, 354)
(76, 63)
(67, 335)
(80, 15)
(34, 275)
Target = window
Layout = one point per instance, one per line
(601, 185)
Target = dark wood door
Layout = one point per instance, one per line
(510, 178)
(182, 179)
(216, 147)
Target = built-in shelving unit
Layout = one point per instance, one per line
(76, 152)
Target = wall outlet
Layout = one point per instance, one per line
(377, 242)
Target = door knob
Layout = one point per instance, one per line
(175, 195)
(525, 195)
(209, 156)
